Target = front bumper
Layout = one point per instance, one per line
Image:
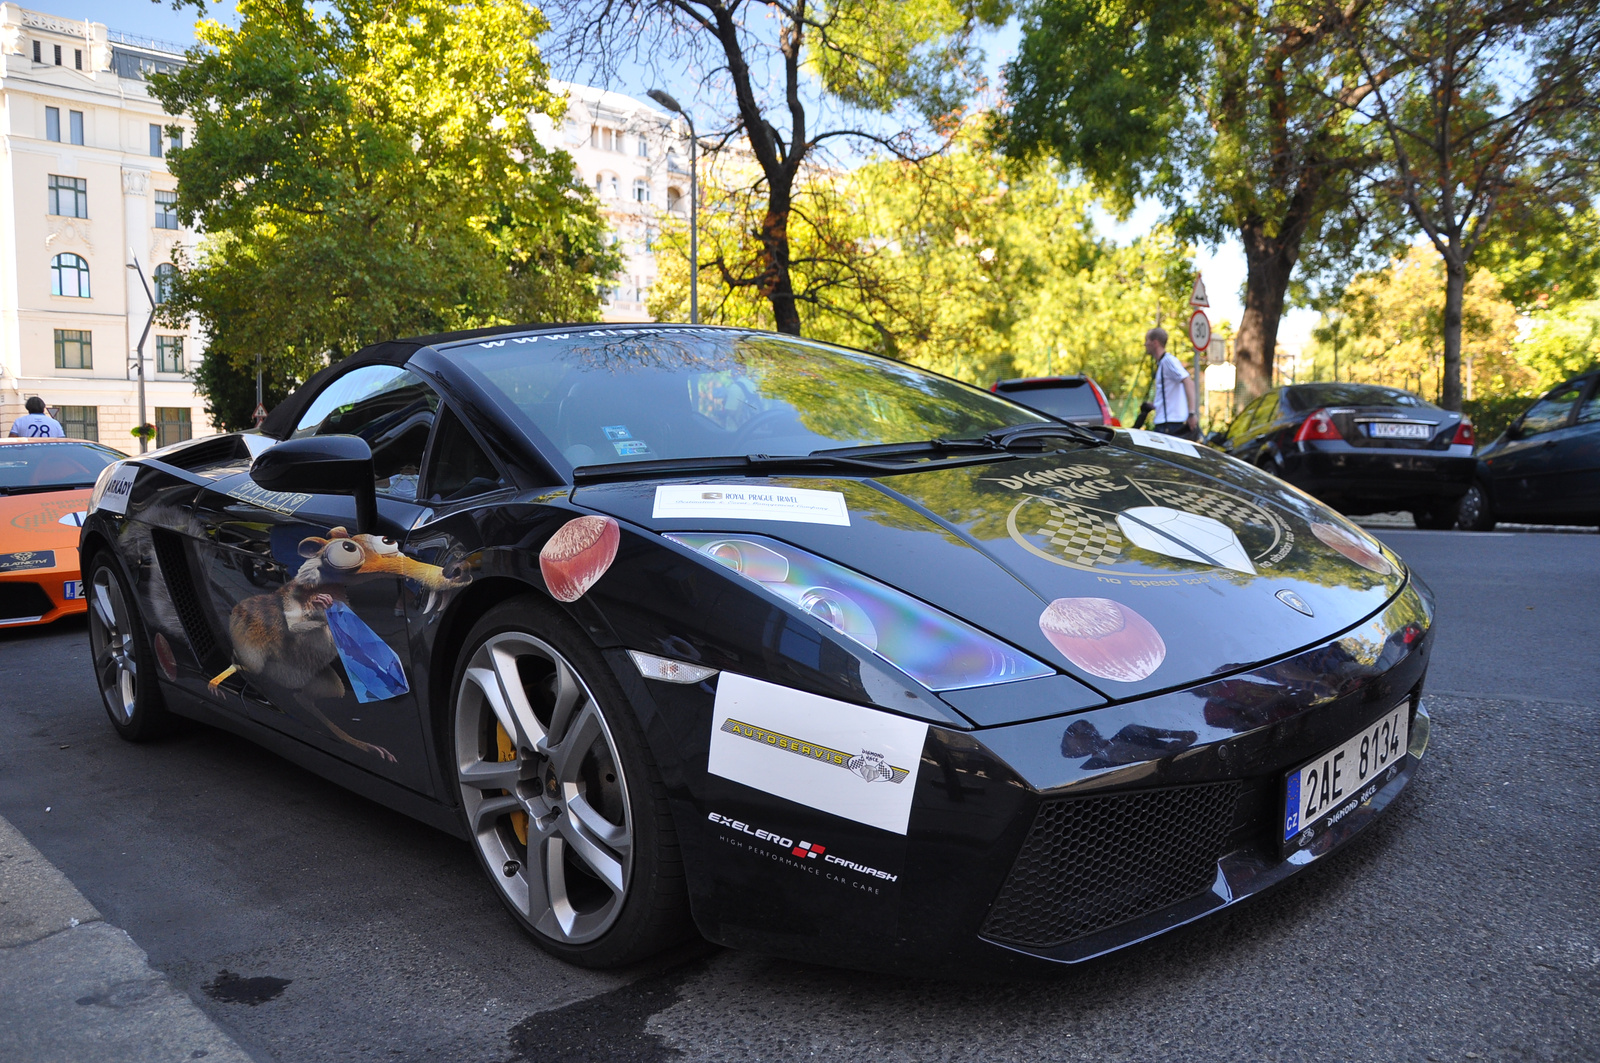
(927, 901)
(39, 596)
(1351, 476)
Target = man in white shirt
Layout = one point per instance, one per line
(36, 424)
(1174, 399)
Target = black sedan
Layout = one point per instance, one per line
(1545, 468)
(1360, 448)
(680, 642)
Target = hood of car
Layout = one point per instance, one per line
(1132, 569)
(47, 520)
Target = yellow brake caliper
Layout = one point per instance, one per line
(508, 752)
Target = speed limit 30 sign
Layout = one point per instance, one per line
(1199, 330)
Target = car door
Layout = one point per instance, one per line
(1581, 473)
(1527, 472)
(312, 611)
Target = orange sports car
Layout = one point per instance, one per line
(44, 492)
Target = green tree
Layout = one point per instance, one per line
(1235, 116)
(1490, 130)
(795, 81)
(962, 263)
(365, 169)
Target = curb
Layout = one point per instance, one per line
(75, 989)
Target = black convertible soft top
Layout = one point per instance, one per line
(281, 421)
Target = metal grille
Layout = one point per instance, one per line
(19, 600)
(1092, 862)
(180, 588)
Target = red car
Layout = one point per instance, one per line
(1076, 399)
(44, 492)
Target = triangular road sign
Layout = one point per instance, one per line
(1198, 296)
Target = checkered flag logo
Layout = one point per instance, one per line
(1081, 535)
(808, 849)
(1214, 504)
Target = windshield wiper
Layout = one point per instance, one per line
(819, 462)
(34, 489)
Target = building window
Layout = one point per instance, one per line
(76, 118)
(641, 191)
(172, 425)
(58, 55)
(38, 56)
(155, 141)
(80, 422)
(77, 58)
(175, 140)
(169, 354)
(69, 196)
(644, 148)
(166, 277)
(74, 349)
(52, 123)
(675, 200)
(166, 210)
(69, 275)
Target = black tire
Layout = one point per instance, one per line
(593, 869)
(1435, 518)
(124, 665)
(1475, 513)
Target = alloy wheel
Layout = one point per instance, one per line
(543, 788)
(111, 640)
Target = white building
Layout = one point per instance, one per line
(84, 186)
(636, 158)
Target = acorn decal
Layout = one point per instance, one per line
(1354, 547)
(577, 555)
(1104, 638)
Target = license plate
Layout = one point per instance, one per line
(1328, 787)
(1392, 430)
(72, 588)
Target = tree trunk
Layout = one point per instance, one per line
(776, 284)
(1455, 283)
(1269, 261)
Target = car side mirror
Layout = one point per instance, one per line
(323, 465)
(1514, 429)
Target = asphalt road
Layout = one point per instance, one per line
(313, 925)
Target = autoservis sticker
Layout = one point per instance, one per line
(854, 762)
(1086, 517)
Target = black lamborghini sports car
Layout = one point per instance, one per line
(813, 652)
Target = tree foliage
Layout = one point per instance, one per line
(792, 85)
(365, 169)
(1236, 117)
(963, 263)
(1491, 138)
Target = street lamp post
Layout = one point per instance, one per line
(694, 204)
(144, 443)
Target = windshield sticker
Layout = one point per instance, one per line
(577, 555)
(616, 431)
(1162, 441)
(628, 448)
(1362, 552)
(798, 505)
(114, 499)
(854, 762)
(1073, 516)
(27, 559)
(284, 502)
(1104, 638)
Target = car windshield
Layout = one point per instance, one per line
(1304, 397)
(1066, 399)
(616, 395)
(27, 467)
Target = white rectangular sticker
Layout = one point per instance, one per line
(854, 762)
(1162, 441)
(114, 499)
(797, 505)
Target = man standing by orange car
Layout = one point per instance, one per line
(36, 424)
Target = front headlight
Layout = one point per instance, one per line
(932, 647)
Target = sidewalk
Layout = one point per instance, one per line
(75, 989)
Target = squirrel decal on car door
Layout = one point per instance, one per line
(291, 636)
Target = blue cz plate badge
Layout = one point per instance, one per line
(72, 589)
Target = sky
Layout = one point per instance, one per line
(1222, 267)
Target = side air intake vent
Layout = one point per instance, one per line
(174, 564)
